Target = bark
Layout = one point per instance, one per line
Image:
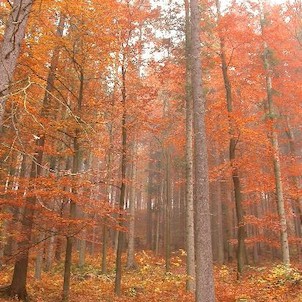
(158, 215)
(104, 248)
(39, 258)
(50, 252)
(118, 275)
(168, 212)
(110, 191)
(18, 285)
(82, 252)
(205, 291)
(297, 206)
(10, 47)
(131, 263)
(73, 206)
(190, 261)
(217, 229)
(272, 115)
(149, 201)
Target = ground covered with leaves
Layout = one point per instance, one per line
(149, 282)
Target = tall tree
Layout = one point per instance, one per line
(272, 116)
(18, 284)
(241, 233)
(205, 291)
(189, 162)
(11, 45)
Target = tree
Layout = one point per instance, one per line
(241, 233)
(10, 47)
(272, 116)
(189, 162)
(203, 248)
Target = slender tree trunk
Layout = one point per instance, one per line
(82, 251)
(10, 47)
(73, 206)
(118, 275)
(50, 252)
(18, 285)
(131, 244)
(39, 258)
(104, 248)
(219, 220)
(241, 234)
(149, 200)
(168, 212)
(72, 215)
(205, 291)
(297, 182)
(272, 115)
(190, 284)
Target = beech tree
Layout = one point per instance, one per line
(10, 47)
(148, 145)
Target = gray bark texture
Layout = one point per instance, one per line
(205, 291)
(10, 47)
(120, 243)
(272, 115)
(190, 284)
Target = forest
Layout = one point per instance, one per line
(150, 150)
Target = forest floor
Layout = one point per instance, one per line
(150, 283)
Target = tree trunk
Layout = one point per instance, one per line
(104, 248)
(39, 258)
(118, 275)
(168, 212)
(18, 284)
(131, 244)
(190, 284)
(50, 252)
(241, 234)
(10, 47)
(272, 115)
(73, 206)
(205, 291)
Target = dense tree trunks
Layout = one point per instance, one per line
(82, 251)
(297, 203)
(205, 291)
(190, 261)
(18, 284)
(219, 219)
(272, 116)
(110, 192)
(132, 196)
(158, 215)
(149, 200)
(217, 229)
(39, 258)
(118, 270)
(227, 212)
(72, 215)
(5, 239)
(10, 47)
(76, 164)
(241, 233)
(104, 248)
(50, 251)
(168, 209)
